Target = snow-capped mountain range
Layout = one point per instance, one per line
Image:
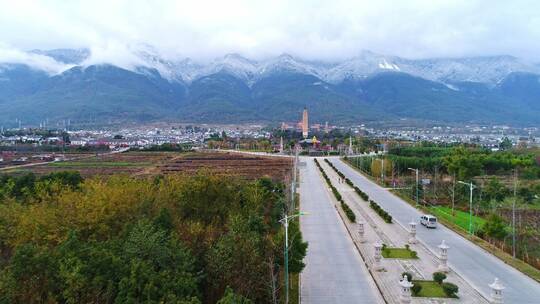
(142, 84)
(490, 69)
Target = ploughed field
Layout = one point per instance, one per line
(154, 163)
(249, 166)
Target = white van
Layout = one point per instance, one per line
(428, 220)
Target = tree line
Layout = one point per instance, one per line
(465, 162)
(167, 239)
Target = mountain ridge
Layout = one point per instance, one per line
(231, 88)
(486, 69)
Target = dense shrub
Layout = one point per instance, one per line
(361, 193)
(231, 298)
(336, 194)
(495, 227)
(439, 277)
(450, 289)
(381, 212)
(350, 214)
(169, 147)
(416, 288)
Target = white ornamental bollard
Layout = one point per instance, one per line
(443, 265)
(405, 297)
(361, 231)
(412, 232)
(496, 292)
(377, 266)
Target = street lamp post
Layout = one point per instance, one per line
(416, 171)
(471, 188)
(293, 187)
(285, 222)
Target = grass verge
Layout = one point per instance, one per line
(430, 289)
(399, 253)
(459, 218)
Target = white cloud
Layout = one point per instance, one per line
(325, 30)
(113, 52)
(41, 62)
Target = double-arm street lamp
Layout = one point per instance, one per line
(471, 188)
(416, 171)
(285, 221)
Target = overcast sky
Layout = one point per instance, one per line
(326, 30)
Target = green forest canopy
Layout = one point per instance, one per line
(465, 162)
(172, 239)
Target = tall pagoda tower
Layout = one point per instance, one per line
(305, 124)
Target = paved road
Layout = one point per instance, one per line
(335, 272)
(473, 263)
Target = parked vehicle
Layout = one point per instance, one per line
(428, 220)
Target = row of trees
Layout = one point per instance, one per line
(172, 239)
(168, 147)
(465, 162)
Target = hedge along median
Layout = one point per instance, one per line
(380, 211)
(348, 211)
(360, 193)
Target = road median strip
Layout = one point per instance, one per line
(348, 211)
(378, 209)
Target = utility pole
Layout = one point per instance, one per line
(293, 187)
(286, 253)
(416, 171)
(471, 188)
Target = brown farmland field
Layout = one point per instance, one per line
(154, 163)
(226, 163)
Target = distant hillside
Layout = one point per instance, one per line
(370, 87)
